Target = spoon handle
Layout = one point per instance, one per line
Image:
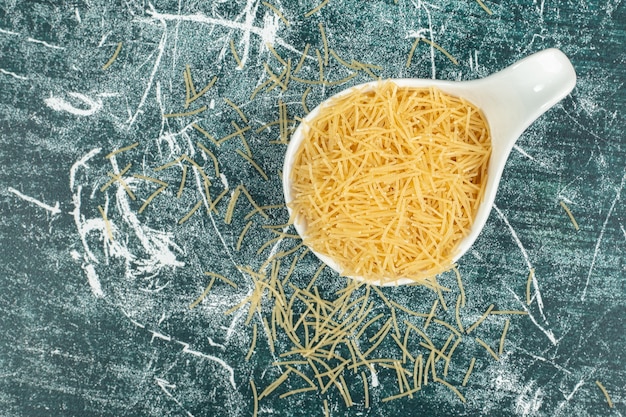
(521, 93)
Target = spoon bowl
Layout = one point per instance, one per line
(510, 101)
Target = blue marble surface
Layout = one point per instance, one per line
(96, 326)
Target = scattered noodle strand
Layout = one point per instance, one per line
(255, 397)
(233, 50)
(205, 133)
(120, 150)
(484, 6)
(324, 42)
(469, 371)
(488, 348)
(480, 320)
(253, 163)
(275, 10)
(201, 92)
(237, 109)
(366, 391)
(316, 9)
(185, 114)
(529, 281)
(452, 388)
(150, 198)
(183, 180)
(114, 57)
(107, 223)
(569, 213)
(221, 278)
(460, 284)
(273, 51)
(191, 212)
(242, 234)
(204, 294)
(606, 393)
(502, 338)
(440, 49)
(412, 51)
(302, 58)
(212, 156)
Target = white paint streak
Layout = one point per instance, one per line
(156, 243)
(175, 48)
(527, 155)
(186, 349)
(77, 14)
(92, 279)
(421, 4)
(76, 199)
(103, 39)
(214, 344)
(267, 33)
(9, 32)
(527, 403)
(59, 104)
(250, 12)
(166, 387)
(374, 374)
(233, 323)
(82, 162)
(160, 336)
(54, 210)
(621, 226)
(599, 241)
(228, 368)
(12, 74)
(157, 62)
(526, 259)
(44, 43)
(568, 398)
(136, 323)
(224, 180)
(542, 359)
(548, 333)
(580, 384)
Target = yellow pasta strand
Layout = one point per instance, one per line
(484, 6)
(440, 49)
(233, 50)
(275, 10)
(468, 372)
(605, 392)
(504, 331)
(114, 57)
(411, 52)
(570, 215)
(107, 223)
(529, 281)
(204, 294)
(185, 114)
(316, 9)
(120, 150)
(255, 397)
(488, 348)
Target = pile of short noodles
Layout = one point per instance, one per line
(389, 179)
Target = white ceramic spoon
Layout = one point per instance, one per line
(510, 100)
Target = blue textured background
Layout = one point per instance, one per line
(90, 329)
